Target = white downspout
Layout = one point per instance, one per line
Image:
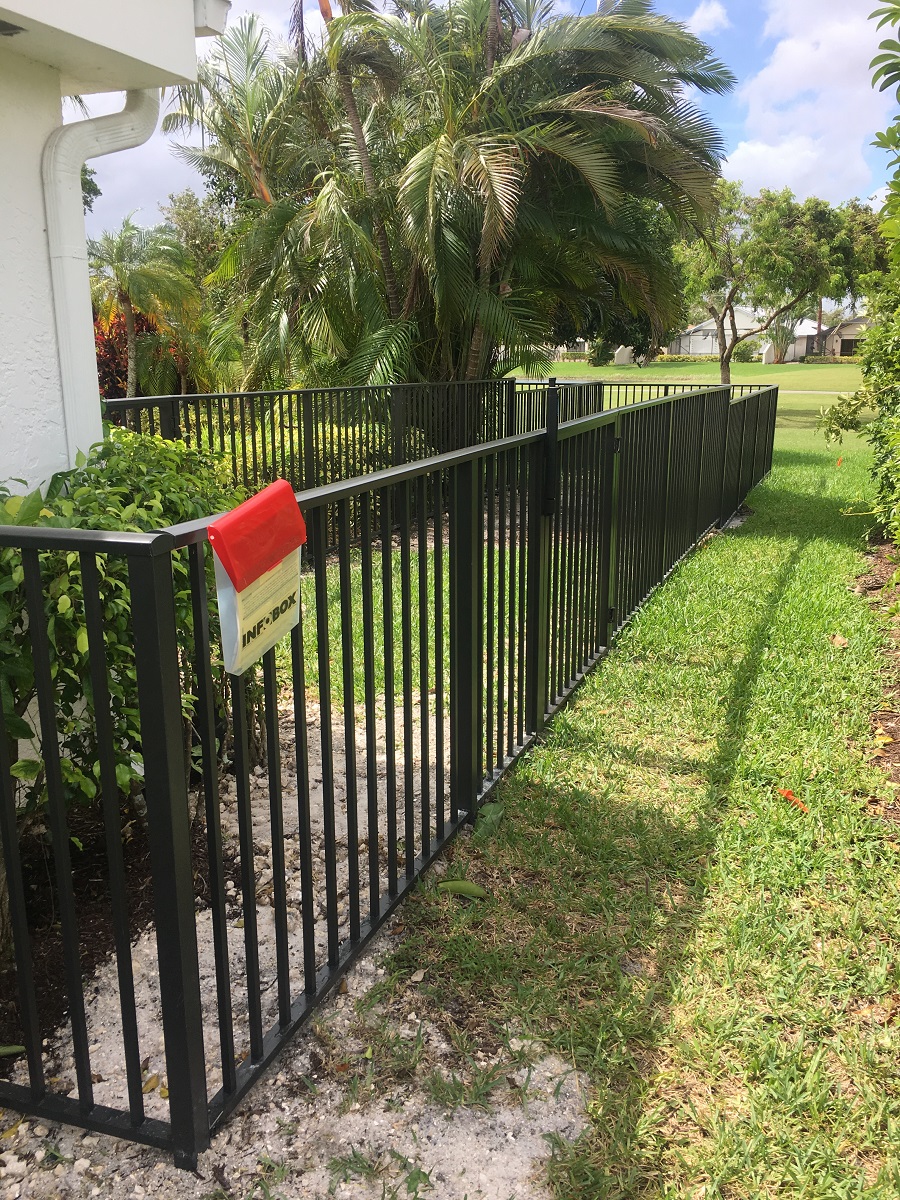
(66, 151)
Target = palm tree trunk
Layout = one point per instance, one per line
(130, 347)
(345, 87)
(473, 364)
(493, 35)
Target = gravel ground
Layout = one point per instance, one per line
(316, 1124)
(306, 1132)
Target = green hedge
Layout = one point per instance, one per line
(687, 358)
(830, 358)
(130, 482)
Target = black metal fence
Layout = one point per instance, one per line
(316, 436)
(464, 597)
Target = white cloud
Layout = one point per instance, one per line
(811, 110)
(708, 17)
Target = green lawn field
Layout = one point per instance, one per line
(803, 377)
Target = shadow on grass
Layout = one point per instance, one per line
(595, 897)
(621, 1154)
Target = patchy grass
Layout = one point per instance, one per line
(722, 964)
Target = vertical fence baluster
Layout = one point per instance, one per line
(18, 917)
(276, 824)
(112, 822)
(465, 554)
(368, 624)
(59, 826)
(206, 727)
(390, 733)
(502, 642)
(424, 670)
(159, 703)
(318, 528)
(406, 650)
(304, 816)
(439, 602)
(240, 723)
(488, 616)
(349, 700)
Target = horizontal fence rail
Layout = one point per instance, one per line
(449, 606)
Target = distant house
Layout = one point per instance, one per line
(843, 340)
(703, 338)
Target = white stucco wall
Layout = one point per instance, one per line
(32, 432)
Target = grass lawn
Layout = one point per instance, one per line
(812, 377)
(722, 965)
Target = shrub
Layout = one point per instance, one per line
(688, 358)
(879, 394)
(129, 482)
(830, 358)
(745, 351)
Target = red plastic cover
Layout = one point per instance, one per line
(258, 534)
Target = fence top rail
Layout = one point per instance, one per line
(189, 532)
(134, 402)
(149, 401)
(101, 541)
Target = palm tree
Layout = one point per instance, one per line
(477, 189)
(239, 100)
(139, 270)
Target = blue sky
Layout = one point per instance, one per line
(802, 115)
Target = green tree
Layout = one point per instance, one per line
(773, 253)
(240, 100)
(139, 270)
(613, 318)
(90, 189)
(500, 177)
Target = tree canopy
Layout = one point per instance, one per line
(136, 270)
(427, 193)
(773, 253)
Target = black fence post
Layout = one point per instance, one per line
(466, 554)
(610, 451)
(543, 488)
(162, 750)
(310, 475)
(169, 420)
